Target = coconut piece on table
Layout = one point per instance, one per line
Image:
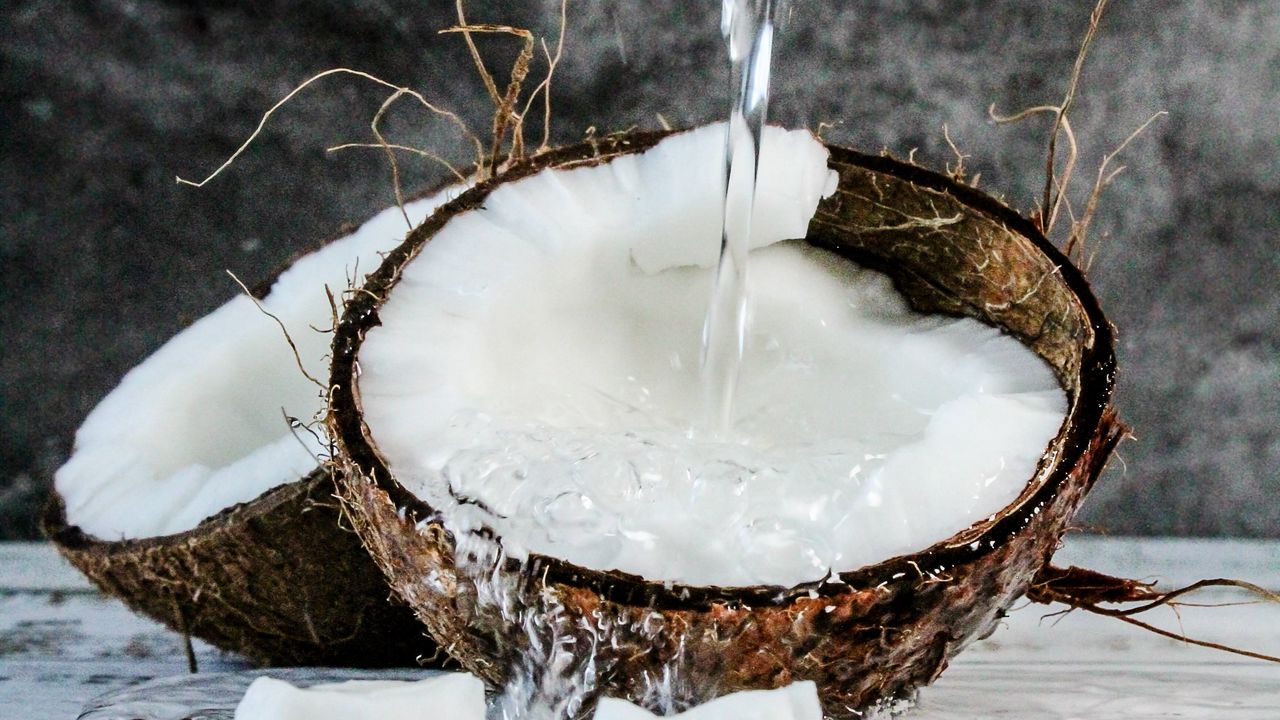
(448, 696)
(797, 701)
(190, 497)
(514, 391)
(461, 696)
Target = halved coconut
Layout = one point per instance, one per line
(190, 497)
(867, 631)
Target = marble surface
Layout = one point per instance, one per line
(62, 645)
(102, 256)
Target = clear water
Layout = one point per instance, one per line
(748, 28)
(781, 514)
(556, 677)
(949, 422)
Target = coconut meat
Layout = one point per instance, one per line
(460, 696)
(451, 696)
(797, 701)
(200, 425)
(535, 372)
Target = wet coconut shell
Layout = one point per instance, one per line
(870, 634)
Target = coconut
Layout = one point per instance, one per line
(194, 500)
(864, 634)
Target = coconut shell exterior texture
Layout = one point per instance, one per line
(281, 580)
(864, 636)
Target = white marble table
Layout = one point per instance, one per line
(62, 643)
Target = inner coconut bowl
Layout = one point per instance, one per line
(865, 633)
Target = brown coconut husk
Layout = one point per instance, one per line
(278, 580)
(864, 636)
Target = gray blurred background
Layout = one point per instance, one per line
(104, 257)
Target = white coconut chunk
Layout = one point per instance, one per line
(541, 378)
(200, 425)
(797, 701)
(451, 696)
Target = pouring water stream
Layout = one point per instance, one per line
(748, 27)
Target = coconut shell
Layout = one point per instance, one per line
(279, 580)
(864, 636)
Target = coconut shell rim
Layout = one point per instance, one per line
(63, 533)
(1089, 416)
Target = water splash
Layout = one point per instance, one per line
(561, 658)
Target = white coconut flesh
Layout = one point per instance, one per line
(536, 372)
(448, 696)
(200, 425)
(458, 696)
(797, 701)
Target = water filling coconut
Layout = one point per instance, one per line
(924, 400)
(193, 497)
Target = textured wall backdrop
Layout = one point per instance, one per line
(104, 257)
